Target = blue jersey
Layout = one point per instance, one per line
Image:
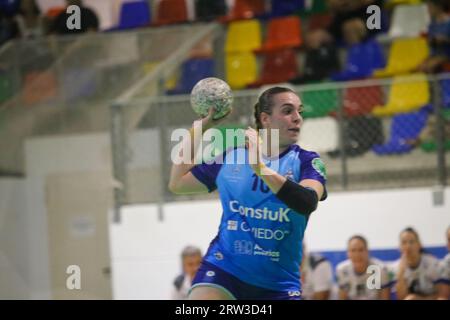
(259, 239)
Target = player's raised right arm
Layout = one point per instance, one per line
(182, 181)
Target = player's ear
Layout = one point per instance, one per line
(265, 119)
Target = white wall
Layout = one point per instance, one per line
(14, 246)
(145, 251)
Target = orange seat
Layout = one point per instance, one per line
(53, 12)
(279, 66)
(245, 9)
(171, 12)
(39, 87)
(284, 32)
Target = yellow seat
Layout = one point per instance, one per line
(241, 69)
(405, 56)
(407, 93)
(390, 3)
(243, 36)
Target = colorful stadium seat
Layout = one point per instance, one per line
(319, 103)
(243, 36)
(279, 66)
(193, 70)
(405, 55)
(362, 59)
(407, 93)
(281, 8)
(409, 21)
(241, 69)
(284, 32)
(314, 7)
(171, 12)
(134, 15)
(361, 100)
(404, 128)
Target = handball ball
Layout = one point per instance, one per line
(211, 92)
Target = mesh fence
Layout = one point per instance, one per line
(65, 85)
(372, 134)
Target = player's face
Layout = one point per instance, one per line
(191, 264)
(357, 252)
(409, 244)
(286, 117)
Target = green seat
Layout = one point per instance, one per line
(315, 7)
(431, 145)
(5, 88)
(319, 103)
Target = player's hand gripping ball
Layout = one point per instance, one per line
(211, 92)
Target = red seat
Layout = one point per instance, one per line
(245, 9)
(360, 101)
(284, 32)
(171, 12)
(279, 66)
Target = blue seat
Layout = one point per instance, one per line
(404, 127)
(362, 59)
(134, 15)
(192, 71)
(286, 7)
(79, 84)
(445, 90)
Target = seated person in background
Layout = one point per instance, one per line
(89, 20)
(321, 58)
(29, 20)
(353, 278)
(191, 257)
(364, 54)
(438, 36)
(344, 10)
(316, 276)
(444, 273)
(416, 273)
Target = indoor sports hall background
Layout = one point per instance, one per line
(86, 123)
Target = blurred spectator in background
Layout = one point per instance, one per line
(30, 22)
(416, 272)
(438, 36)
(321, 58)
(352, 277)
(191, 257)
(344, 10)
(317, 276)
(444, 272)
(364, 54)
(89, 20)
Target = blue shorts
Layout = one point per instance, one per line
(210, 275)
